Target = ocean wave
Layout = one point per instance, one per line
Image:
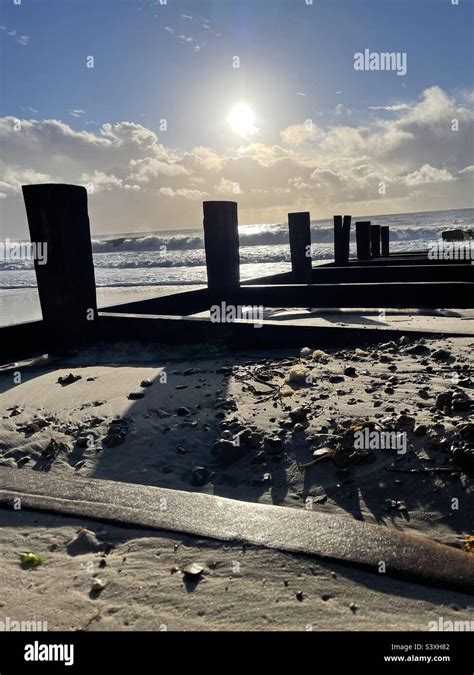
(255, 237)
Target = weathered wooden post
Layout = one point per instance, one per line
(385, 240)
(221, 241)
(342, 230)
(375, 241)
(363, 239)
(58, 217)
(299, 226)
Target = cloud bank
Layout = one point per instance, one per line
(419, 159)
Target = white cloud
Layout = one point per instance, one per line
(77, 112)
(140, 184)
(428, 174)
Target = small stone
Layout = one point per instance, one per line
(441, 354)
(193, 570)
(299, 596)
(183, 411)
(199, 476)
(69, 379)
(97, 585)
(350, 371)
(146, 383)
(135, 395)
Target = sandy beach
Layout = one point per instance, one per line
(275, 428)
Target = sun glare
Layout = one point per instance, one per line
(242, 120)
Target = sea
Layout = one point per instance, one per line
(136, 265)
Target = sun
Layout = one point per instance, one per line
(242, 120)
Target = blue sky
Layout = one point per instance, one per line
(144, 72)
(174, 61)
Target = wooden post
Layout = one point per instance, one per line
(363, 239)
(58, 217)
(342, 230)
(221, 241)
(375, 241)
(299, 225)
(385, 239)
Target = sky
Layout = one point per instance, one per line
(158, 105)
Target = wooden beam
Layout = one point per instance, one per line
(423, 295)
(342, 229)
(299, 226)
(375, 241)
(363, 239)
(57, 216)
(385, 240)
(390, 273)
(221, 241)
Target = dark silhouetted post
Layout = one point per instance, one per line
(363, 239)
(342, 230)
(57, 216)
(299, 225)
(221, 241)
(375, 241)
(385, 240)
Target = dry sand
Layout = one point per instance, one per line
(167, 439)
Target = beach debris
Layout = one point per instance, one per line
(135, 395)
(299, 414)
(15, 411)
(84, 542)
(69, 379)
(117, 432)
(192, 570)
(298, 374)
(52, 450)
(146, 383)
(418, 350)
(36, 425)
(30, 559)
(97, 585)
(199, 476)
(453, 401)
(469, 544)
(227, 451)
(320, 355)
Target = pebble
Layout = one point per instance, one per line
(135, 395)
